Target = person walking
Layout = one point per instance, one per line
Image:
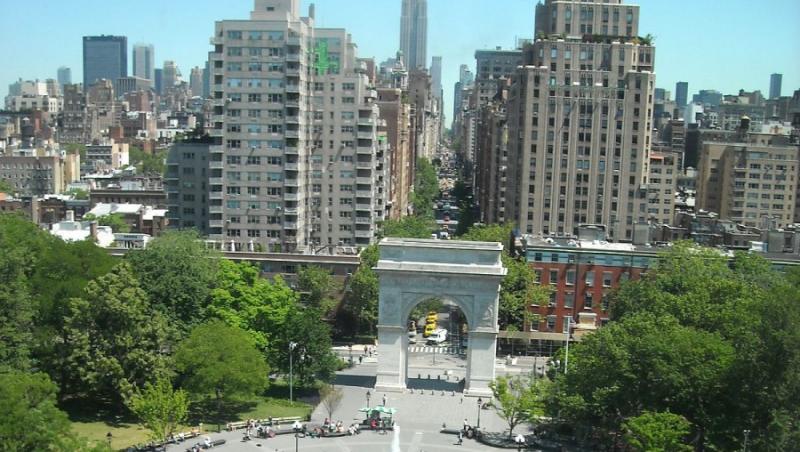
(460, 438)
(384, 400)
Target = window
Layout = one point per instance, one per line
(569, 299)
(590, 278)
(607, 276)
(553, 277)
(570, 277)
(587, 300)
(551, 322)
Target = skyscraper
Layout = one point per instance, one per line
(775, 81)
(64, 76)
(144, 61)
(436, 77)
(579, 141)
(681, 94)
(170, 76)
(414, 33)
(158, 82)
(104, 57)
(196, 81)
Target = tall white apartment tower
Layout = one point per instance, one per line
(414, 33)
(579, 118)
(296, 165)
(144, 61)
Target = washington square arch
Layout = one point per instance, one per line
(467, 274)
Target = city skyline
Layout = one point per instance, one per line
(767, 50)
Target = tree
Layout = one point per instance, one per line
(657, 432)
(115, 341)
(178, 272)
(220, 361)
(115, 221)
(246, 300)
(426, 188)
(312, 358)
(514, 398)
(29, 418)
(78, 193)
(415, 226)
(360, 306)
(148, 163)
(317, 288)
(331, 398)
(16, 310)
(5, 186)
(160, 408)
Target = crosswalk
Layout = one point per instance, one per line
(431, 349)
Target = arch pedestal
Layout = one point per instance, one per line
(466, 273)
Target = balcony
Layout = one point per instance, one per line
(293, 57)
(214, 209)
(292, 182)
(291, 196)
(364, 193)
(215, 164)
(292, 134)
(290, 150)
(293, 119)
(364, 180)
(215, 181)
(364, 165)
(290, 166)
(292, 103)
(289, 225)
(293, 72)
(293, 89)
(366, 121)
(364, 234)
(364, 207)
(293, 41)
(290, 210)
(215, 195)
(215, 223)
(363, 220)
(365, 150)
(366, 135)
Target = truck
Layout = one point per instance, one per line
(437, 337)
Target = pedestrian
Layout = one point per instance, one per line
(460, 438)
(466, 425)
(360, 358)
(384, 400)
(366, 350)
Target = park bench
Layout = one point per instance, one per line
(231, 426)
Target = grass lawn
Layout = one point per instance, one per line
(95, 424)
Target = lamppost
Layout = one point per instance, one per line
(296, 439)
(566, 355)
(368, 395)
(480, 404)
(746, 436)
(292, 346)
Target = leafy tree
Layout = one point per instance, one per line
(16, 310)
(115, 341)
(78, 193)
(360, 307)
(221, 361)
(5, 186)
(657, 432)
(426, 188)
(246, 300)
(312, 358)
(29, 418)
(75, 148)
(331, 398)
(514, 398)
(178, 273)
(114, 220)
(317, 287)
(147, 163)
(414, 226)
(160, 408)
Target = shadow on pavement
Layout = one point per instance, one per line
(433, 384)
(364, 381)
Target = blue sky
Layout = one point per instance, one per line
(712, 44)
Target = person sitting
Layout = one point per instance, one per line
(297, 426)
(207, 442)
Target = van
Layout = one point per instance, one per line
(437, 337)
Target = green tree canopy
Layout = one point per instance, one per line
(5, 186)
(317, 288)
(160, 408)
(29, 418)
(115, 221)
(178, 273)
(222, 362)
(416, 226)
(360, 309)
(426, 188)
(115, 341)
(245, 300)
(515, 398)
(312, 358)
(657, 432)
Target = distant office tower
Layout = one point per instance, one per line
(196, 81)
(158, 83)
(170, 76)
(143, 61)
(64, 76)
(414, 33)
(681, 93)
(464, 74)
(436, 76)
(775, 81)
(207, 80)
(579, 142)
(104, 57)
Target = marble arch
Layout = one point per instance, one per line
(466, 273)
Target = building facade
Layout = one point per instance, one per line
(579, 118)
(681, 94)
(775, 81)
(64, 76)
(186, 184)
(104, 57)
(144, 61)
(414, 33)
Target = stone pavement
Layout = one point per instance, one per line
(419, 416)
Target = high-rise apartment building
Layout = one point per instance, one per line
(196, 81)
(775, 81)
(298, 162)
(414, 33)
(104, 57)
(64, 76)
(681, 94)
(579, 116)
(144, 61)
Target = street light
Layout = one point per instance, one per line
(746, 436)
(480, 403)
(368, 395)
(566, 355)
(292, 346)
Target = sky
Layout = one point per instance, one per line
(725, 45)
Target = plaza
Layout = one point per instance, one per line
(421, 411)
